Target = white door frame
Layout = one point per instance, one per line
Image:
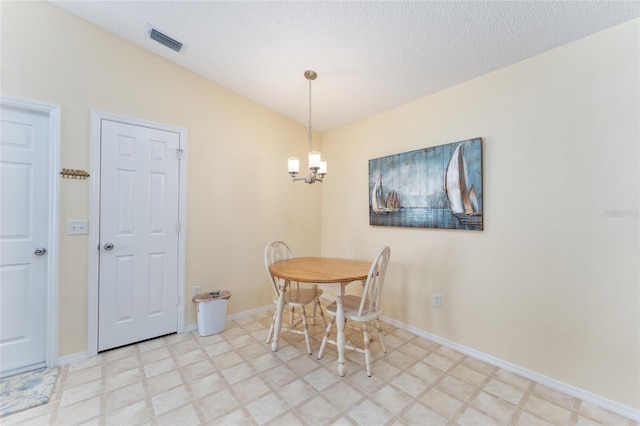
(53, 112)
(94, 219)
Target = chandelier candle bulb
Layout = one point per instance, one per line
(323, 167)
(314, 160)
(294, 165)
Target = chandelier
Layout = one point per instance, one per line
(317, 166)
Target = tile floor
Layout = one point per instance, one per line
(233, 378)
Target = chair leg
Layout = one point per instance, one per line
(313, 314)
(326, 337)
(307, 337)
(273, 321)
(381, 336)
(324, 321)
(367, 351)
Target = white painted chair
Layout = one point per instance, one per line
(363, 309)
(296, 296)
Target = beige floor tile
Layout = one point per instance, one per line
(369, 413)
(296, 392)
(237, 373)
(85, 375)
(456, 388)
(170, 399)
(440, 362)
(124, 378)
(233, 378)
(207, 385)
(119, 365)
(473, 417)
(343, 396)
(163, 382)
(226, 360)
(441, 403)
(479, 365)
(199, 369)
(504, 391)
(279, 376)
(547, 410)
(512, 379)
(421, 415)
(125, 396)
(527, 419)
(392, 399)
(80, 393)
(159, 367)
(495, 407)
(322, 378)
(468, 375)
(236, 418)
(413, 350)
(217, 405)
(249, 390)
(552, 395)
(132, 414)
(316, 411)
(266, 408)
(183, 416)
(78, 412)
(191, 357)
(154, 355)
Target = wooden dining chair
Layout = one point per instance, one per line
(296, 296)
(363, 309)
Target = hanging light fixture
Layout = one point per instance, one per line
(317, 166)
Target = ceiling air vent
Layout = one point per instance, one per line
(165, 40)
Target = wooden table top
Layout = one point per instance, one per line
(321, 269)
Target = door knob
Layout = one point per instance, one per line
(108, 247)
(40, 251)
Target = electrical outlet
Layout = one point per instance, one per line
(196, 290)
(437, 300)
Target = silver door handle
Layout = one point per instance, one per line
(108, 247)
(40, 251)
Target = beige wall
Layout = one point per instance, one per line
(552, 283)
(239, 193)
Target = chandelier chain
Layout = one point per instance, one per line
(310, 133)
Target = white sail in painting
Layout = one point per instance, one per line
(462, 200)
(378, 203)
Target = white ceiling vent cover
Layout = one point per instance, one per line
(164, 39)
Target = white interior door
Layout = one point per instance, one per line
(24, 237)
(139, 233)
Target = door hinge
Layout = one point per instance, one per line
(178, 227)
(177, 300)
(179, 153)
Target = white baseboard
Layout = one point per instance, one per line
(582, 394)
(73, 358)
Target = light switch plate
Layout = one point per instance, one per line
(77, 227)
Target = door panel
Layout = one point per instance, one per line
(24, 226)
(138, 288)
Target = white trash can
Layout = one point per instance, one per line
(212, 311)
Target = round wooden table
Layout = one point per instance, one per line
(319, 270)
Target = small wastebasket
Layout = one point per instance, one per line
(212, 311)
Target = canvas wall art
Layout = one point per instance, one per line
(436, 187)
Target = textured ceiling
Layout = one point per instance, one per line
(369, 56)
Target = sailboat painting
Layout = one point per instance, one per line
(436, 187)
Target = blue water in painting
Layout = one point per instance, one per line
(425, 218)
